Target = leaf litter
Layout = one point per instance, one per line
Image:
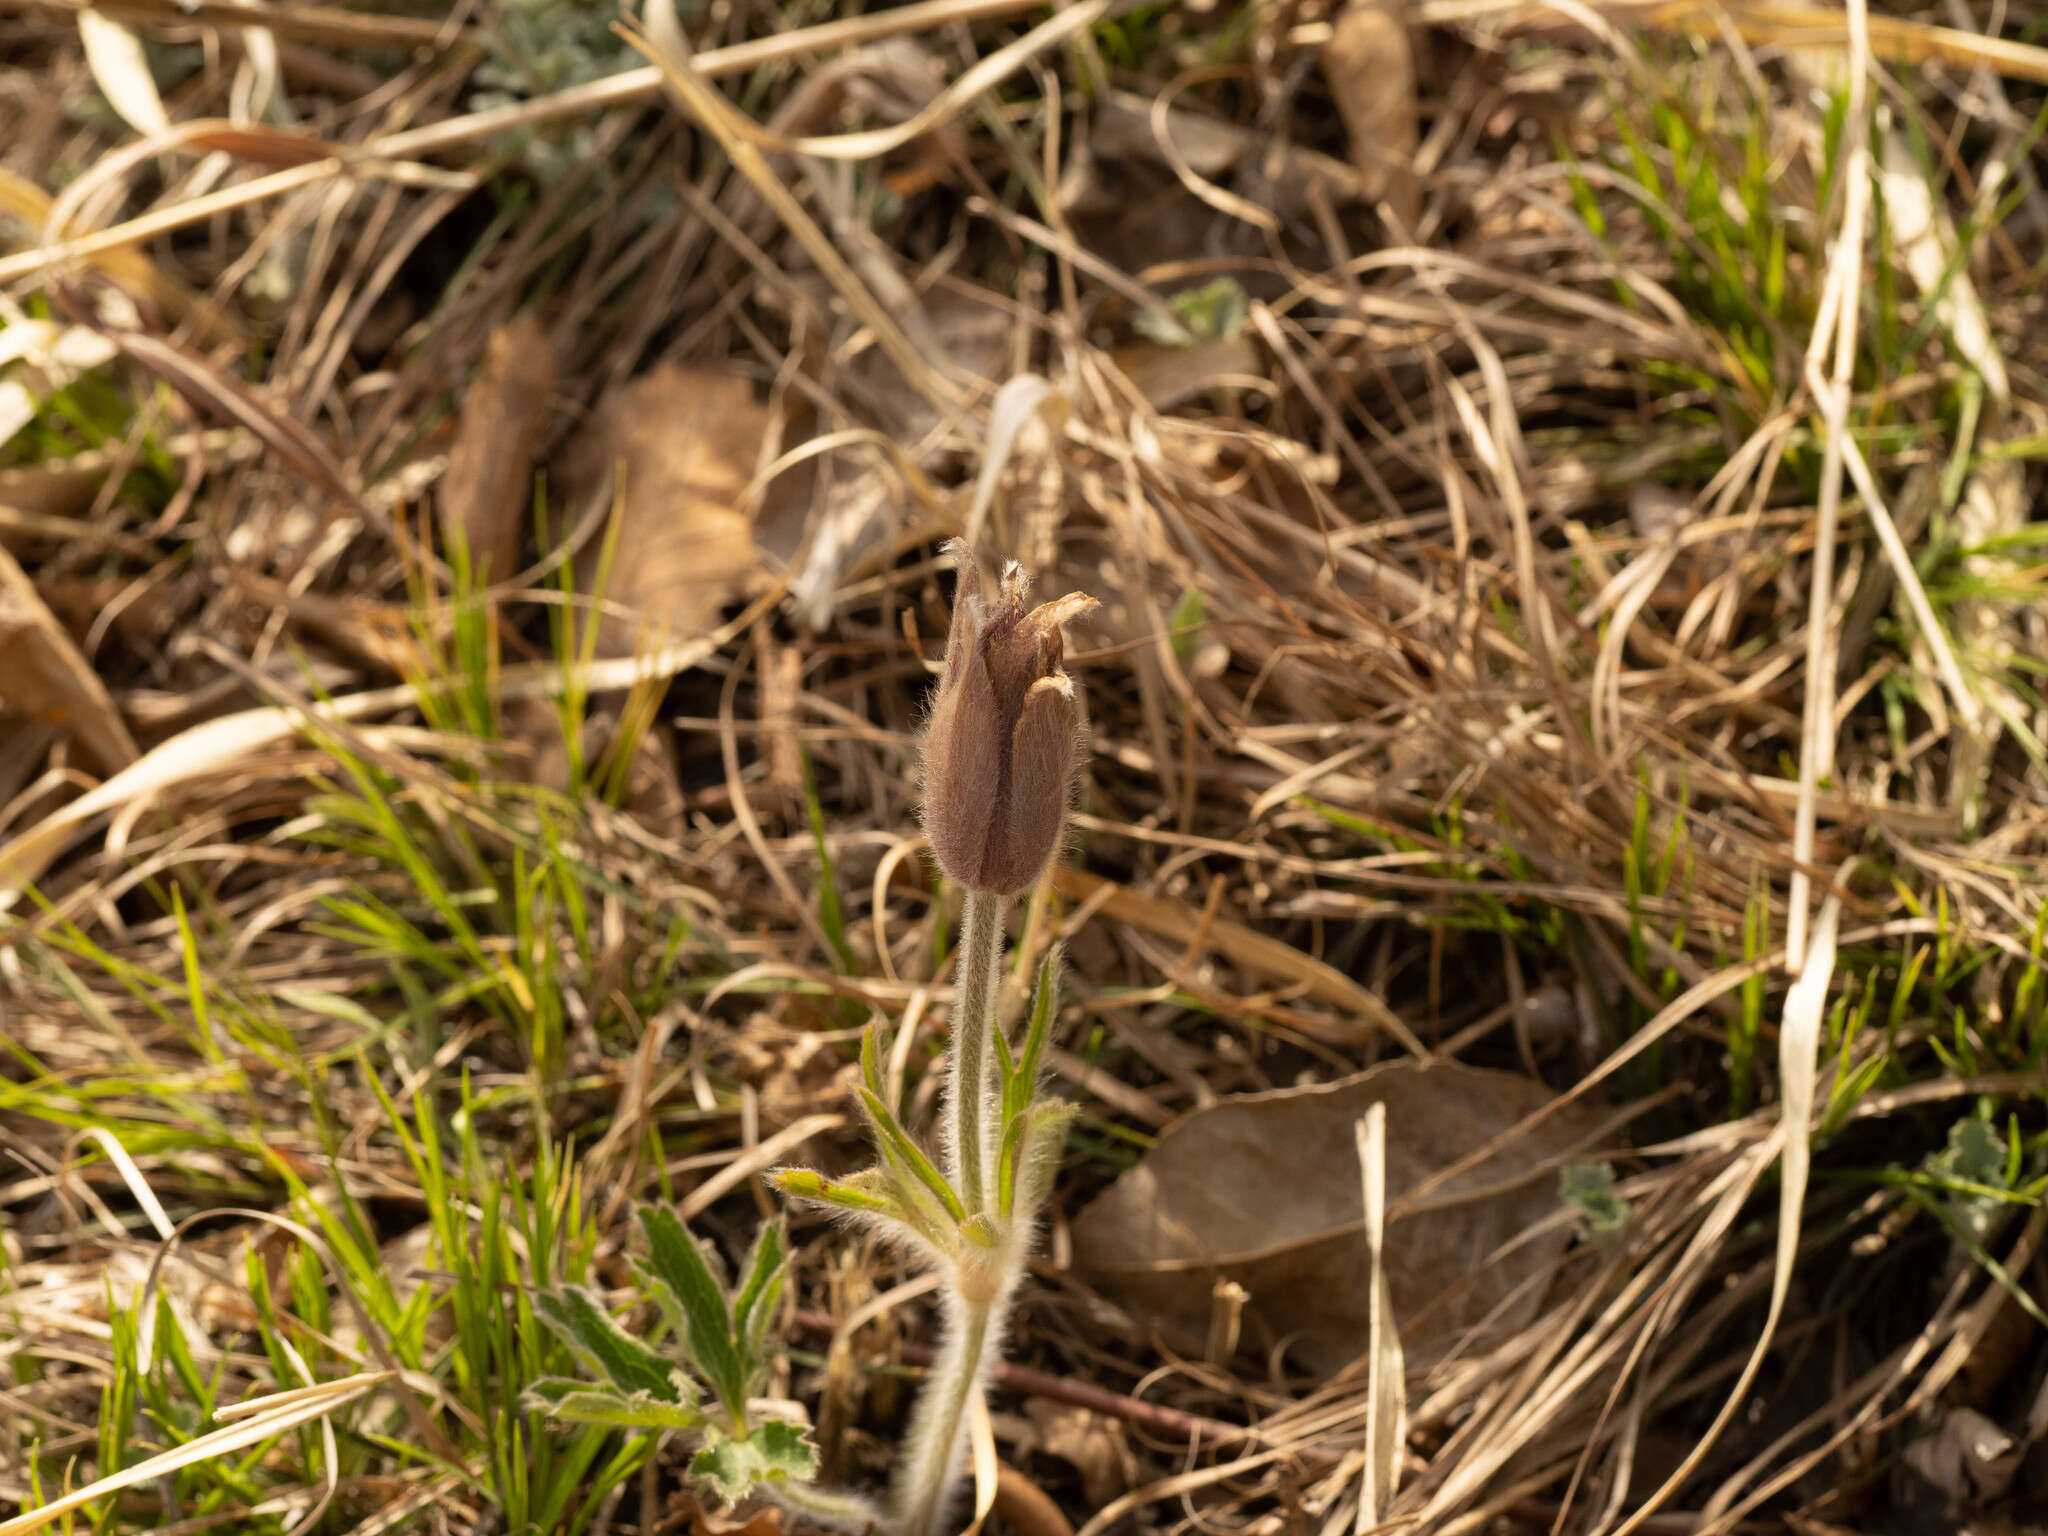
(1254, 1189)
(1459, 451)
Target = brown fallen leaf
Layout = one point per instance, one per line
(42, 674)
(1265, 1190)
(488, 488)
(678, 447)
(1171, 376)
(1369, 62)
(1093, 1444)
(1025, 1507)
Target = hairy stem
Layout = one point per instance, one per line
(925, 1486)
(974, 1019)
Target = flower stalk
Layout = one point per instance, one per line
(999, 757)
(974, 1022)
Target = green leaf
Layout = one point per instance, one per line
(831, 912)
(1038, 1160)
(854, 1194)
(1215, 311)
(1590, 1186)
(760, 1290)
(871, 1059)
(576, 1402)
(773, 1452)
(602, 1345)
(679, 1263)
(1025, 1079)
(897, 1140)
(785, 1450)
(1184, 628)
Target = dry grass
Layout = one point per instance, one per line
(1551, 615)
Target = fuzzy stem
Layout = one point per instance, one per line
(926, 1483)
(974, 1017)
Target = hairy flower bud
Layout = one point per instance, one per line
(999, 750)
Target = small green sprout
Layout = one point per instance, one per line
(720, 1338)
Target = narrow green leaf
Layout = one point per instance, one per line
(871, 1059)
(1006, 1062)
(576, 1402)
(762, 1282)
(831, 912)
(912, 1156)
(1039, 1031)
(602, 1345)
(979, 1230)
(1038, 1160)
(1184, 628)
(680, 1264)
(1006, 1163)
(848, 1194)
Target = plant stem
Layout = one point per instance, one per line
(941, 1414)
(974, 1018)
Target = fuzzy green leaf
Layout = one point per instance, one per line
(871, 1059)
(679, 1263)
(760, 1292)
(577, 1402)
(896, 1140)
(1038, 1159)
(1025, 1079)
(854, 1194)
(773, 1452)
(1006, 1163)
(603, 1346)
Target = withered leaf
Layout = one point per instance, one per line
(488, 488)
(42, 674)
(1264, 1190)
(678, 447)
(1369, 62)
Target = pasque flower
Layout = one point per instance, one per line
(999, 750)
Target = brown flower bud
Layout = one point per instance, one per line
(999, 749)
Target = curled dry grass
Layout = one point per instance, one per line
(1504, 644)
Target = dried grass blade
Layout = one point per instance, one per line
(1386, 1393)
(205, 385)
(209, 748)
(121, 70)
(1834, 321)
(719, 119)
(981, 1438)
(1798, 1066)
(948, 104)
(1257, 951)
(278, 1413)
(1023, 399)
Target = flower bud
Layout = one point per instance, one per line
(999, 749)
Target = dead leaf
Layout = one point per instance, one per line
(1370, 64)
(44, 491)
(1093, 1444)
(488, 489)
(679, 447)
(121, 70)
(1026, 1508)
(43, 675)
(1264, 1190)
(1967, 1456)
(1171, 376)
